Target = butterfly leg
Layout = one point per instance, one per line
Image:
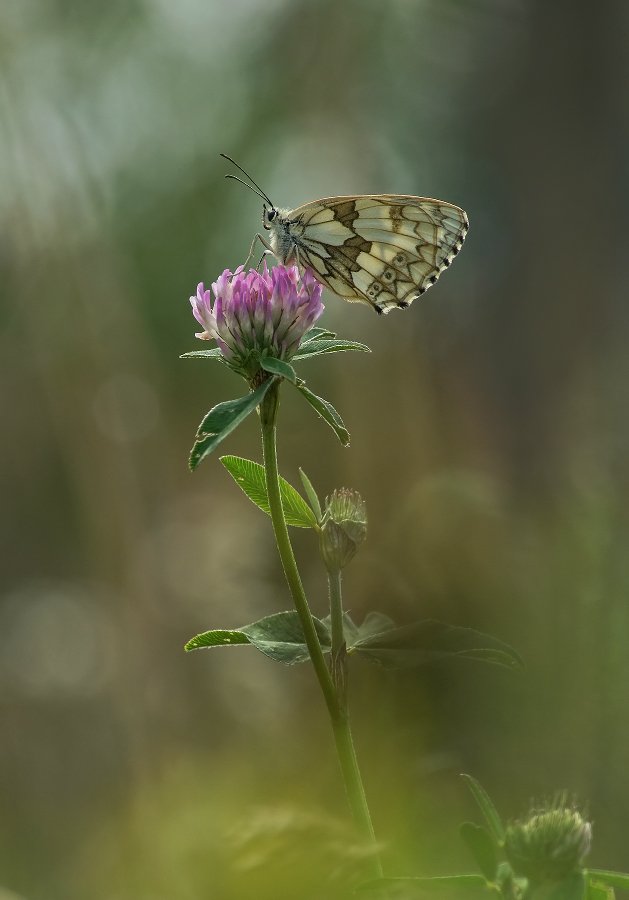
(257, 237)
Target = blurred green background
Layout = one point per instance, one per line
(489, 436)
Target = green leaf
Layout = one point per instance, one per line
(311, 494)
(596, 890)
(222, 420)
(219, 637)
(278, 367)
(279, 636)
(613, 879)
(421, 642)
(315, 334)
(251, 478)
(448, 884)
(327, 413)
(319, 346)
(487, 808)
(482, 848)
(214, 353)
(375, 623)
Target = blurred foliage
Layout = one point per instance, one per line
(489, 434)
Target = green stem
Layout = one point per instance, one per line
(356, 791)
(268, 415)
(335, 700)
(336, 611)
(342, 731)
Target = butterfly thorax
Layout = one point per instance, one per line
(282, 238)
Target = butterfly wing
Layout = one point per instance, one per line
(385, 249)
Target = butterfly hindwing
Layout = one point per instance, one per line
(384, 249)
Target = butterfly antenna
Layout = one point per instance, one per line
(247, 175)
(257, 193)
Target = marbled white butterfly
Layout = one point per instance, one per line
(380, 249)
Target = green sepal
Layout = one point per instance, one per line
(448, 884)
(213, 353)
(327, 413)
(611, 879)
(323, 345)
(222, 420)
(486, 806)
(311, 494)
(479, 843)
(279, 636)
(278, 367)
(251, 479)
(426, 641)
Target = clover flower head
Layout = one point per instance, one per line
(549, 845)
(257, 314)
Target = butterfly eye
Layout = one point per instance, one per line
(271, 214)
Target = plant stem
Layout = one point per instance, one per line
(334, 698)
(342, 731)
(268, 415)
(336, 611)
(356, 791)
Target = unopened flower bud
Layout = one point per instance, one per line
(549, 845)
(343, 528)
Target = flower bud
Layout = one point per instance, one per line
(343, 528)
(549, 845)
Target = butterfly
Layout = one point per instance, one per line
(382, 249)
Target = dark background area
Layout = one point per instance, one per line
(489, 435)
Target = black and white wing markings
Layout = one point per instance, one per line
(384, 250)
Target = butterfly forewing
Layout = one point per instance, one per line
(384, 249)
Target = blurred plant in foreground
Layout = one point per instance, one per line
(545, 853)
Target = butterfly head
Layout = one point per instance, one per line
(269, 216)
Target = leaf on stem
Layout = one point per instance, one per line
(482, 848)
(612, 879)
(279, 636)
(311, 494)
(316, 334)
(421, 642)
(251, 478)
(486, 806)
(323, 345)
(374, 623)
(327, 413)
(278, 367)
(597, 890)
(214, 353)
(222, 420)
(218, 637)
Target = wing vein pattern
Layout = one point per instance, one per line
(383, 249)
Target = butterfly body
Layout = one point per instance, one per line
(380, 249)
